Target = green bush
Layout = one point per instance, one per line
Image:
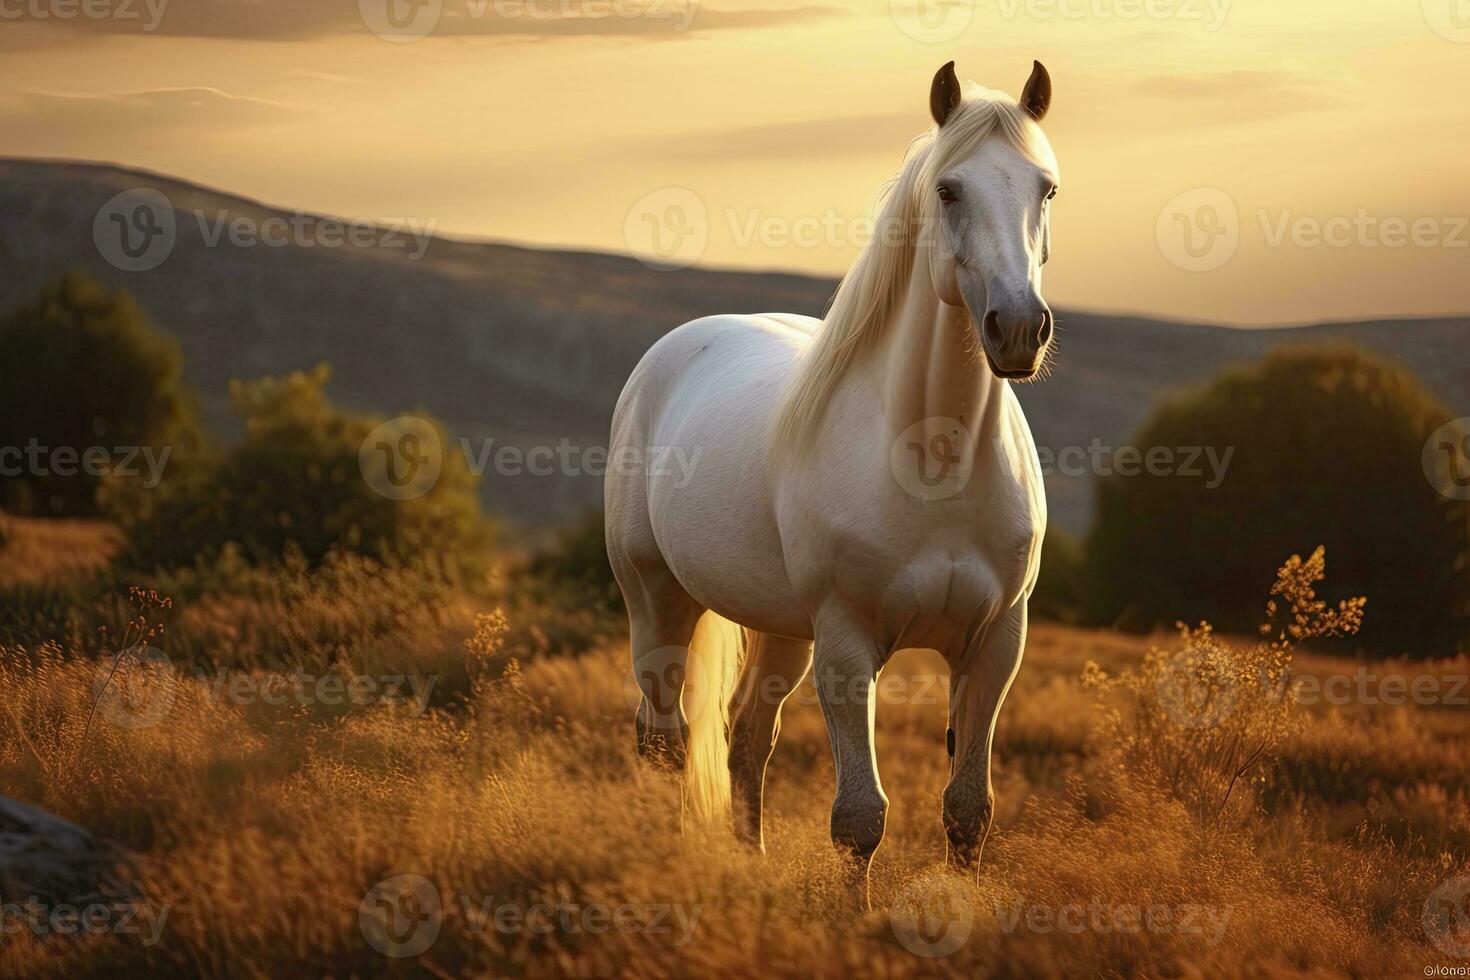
(83, 368)
(1328, 444)
(1060, 593)
(561, 598)
(298, 483)
(573, 569)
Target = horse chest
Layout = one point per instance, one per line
(929, 574)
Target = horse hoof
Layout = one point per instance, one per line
(856, 884)
(662, 753)
(662, 749)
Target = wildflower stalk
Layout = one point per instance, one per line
(1206, 720)
(140, 630)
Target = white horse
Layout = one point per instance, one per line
(865, 483)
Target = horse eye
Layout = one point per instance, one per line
(1053, 193)
(947, 193)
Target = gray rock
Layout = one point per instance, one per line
(54, 860)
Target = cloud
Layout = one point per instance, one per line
(328, 77)
(812, 138)
(1244, 94)
(127, 114)
(285, 20)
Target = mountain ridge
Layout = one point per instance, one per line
(530, 344)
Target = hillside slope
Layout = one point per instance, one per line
(531, 346)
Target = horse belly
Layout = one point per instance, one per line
(711, 514)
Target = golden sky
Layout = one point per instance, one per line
(1244, 161)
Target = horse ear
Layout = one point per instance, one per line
(1036, 98)
(944, 94)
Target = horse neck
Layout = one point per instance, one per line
(929, 363)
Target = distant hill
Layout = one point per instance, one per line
(531, 346)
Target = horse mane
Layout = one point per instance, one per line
(873, 288)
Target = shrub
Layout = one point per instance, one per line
(346, 610)
(1204, 722)
(574, 568)
(1060, 593)
(1327, 447)
(84, 368)
(562, 597)
(297, 484)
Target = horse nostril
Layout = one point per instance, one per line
(992, 330)
(1044, 334)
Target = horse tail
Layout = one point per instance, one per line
(715, 654)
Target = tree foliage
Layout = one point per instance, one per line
(83, 369)
(1327, 448)
(298, 484)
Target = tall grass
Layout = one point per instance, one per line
(1206, 721)
(266, 833)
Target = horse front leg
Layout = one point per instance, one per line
(979, 682)
(846, 663)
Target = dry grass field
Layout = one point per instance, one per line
(474, 799)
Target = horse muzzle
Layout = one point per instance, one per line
(1015, 340)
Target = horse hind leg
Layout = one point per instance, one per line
(661, 620)
(774, 666)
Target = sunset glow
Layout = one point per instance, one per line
(547, 122)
